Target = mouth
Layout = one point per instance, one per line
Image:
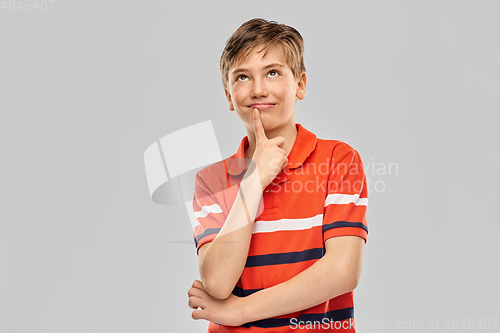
(261, 106)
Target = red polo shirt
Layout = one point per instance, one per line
(321, 193)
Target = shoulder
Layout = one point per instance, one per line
(336, 149)
(218, 168)
(212, 178)
(212, 169)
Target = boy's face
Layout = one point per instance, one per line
(265, 83)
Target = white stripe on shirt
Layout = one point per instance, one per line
(343, 199)
(287, 224)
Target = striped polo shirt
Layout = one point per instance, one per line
(321, 193)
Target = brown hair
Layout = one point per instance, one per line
(256, 32)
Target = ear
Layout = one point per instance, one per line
(229, 101)
(301, 86)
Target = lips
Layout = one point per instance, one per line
(262, 105)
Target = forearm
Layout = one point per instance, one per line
(223, 260)
(322, 281)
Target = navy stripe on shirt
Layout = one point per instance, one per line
(205, 233)
(284, 258)
(240, 292)
(340, 224)
(331, 316)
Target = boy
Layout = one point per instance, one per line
(280, 238)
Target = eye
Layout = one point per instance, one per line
(242, 76)
(273, 71)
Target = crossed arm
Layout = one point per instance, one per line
(336, 273)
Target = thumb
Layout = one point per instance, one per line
(198, 314)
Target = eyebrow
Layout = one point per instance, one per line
(276, 64)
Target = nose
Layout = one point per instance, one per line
(259, 88)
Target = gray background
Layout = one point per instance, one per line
(86, 87)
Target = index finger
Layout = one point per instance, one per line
(260, 135)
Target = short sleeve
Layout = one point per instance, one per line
(209, 204)
(347, 196)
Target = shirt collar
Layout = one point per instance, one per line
(304, 145)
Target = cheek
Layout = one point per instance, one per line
(238, 95)
(288, 95)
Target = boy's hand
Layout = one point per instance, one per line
(227, 311)
(269, 155)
